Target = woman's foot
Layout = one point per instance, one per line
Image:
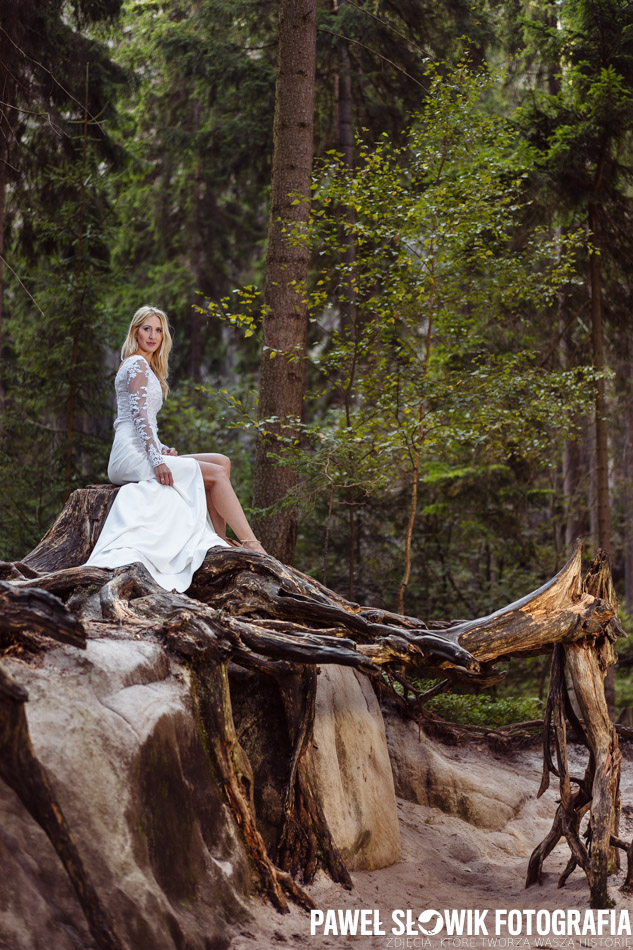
(253, 545)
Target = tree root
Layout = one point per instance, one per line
(598, 790)
(250, 609)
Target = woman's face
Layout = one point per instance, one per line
(149, 337)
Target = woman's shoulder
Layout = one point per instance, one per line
(135, 362)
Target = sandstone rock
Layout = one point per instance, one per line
(350, 770)
(425, 773)
(115, 730)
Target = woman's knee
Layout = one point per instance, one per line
(225, 462)
(215, 458)
(214, 473)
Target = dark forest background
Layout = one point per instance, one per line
(467, 353)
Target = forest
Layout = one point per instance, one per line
(402, 306)
(393, 241)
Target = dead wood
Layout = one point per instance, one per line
(37, 611)
(72, 537)
(598, 792)
(560, 611)
(251, 610)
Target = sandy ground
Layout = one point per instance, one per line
(450, 864)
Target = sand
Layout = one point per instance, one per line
(448, 863)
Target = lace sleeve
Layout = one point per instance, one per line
(137, 379)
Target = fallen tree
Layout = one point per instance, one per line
(248, 609)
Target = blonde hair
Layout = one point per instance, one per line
(160, 360)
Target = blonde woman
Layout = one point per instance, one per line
(171, 509)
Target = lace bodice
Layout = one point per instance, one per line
(139, 397)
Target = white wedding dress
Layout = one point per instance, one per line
(166, 528)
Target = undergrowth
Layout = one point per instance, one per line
(486, 710)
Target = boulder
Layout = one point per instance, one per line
(114, 728)
(425, 773)
(350, 770)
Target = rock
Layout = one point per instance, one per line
(424, 773)
(114, 727)
(626, 716)
(351, 772)
(260, 723)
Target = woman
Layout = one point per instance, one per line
(171, 509)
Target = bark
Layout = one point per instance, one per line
(572, 468)
(343, 94)
(597, 344)
(598, 791)
(349, 308)
(602, 428)
(3, 196)
(72, 397)
(285, 310)
(197, 259)
(72, 537)
(305, 842)
(628, 479)
(232, 768)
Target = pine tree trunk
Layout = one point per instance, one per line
(197, 260)
(3, 189)
(349, 310)
(602, 447)
(285, 310)
(628, 482)
(72, 395)
(572, 467)
(343, 83)
(602, 432)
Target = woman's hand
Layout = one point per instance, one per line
(163, 474)
(167, 451)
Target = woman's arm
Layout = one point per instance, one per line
(137, 381)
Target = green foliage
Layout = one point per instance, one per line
(53, 428)
(427, 299)
(432, 358)
(486, 711)
(197, 126)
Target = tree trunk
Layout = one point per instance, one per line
(197, 259)
(285, 308)
(3, 197)
(602, 431)
(572, 468)
(627, 477)
(349, 309)
(602, 446)
(343, 91)
(72, 396)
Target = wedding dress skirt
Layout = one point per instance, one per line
(167, 528)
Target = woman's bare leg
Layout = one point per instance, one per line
(218, 522)
(222, 502)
